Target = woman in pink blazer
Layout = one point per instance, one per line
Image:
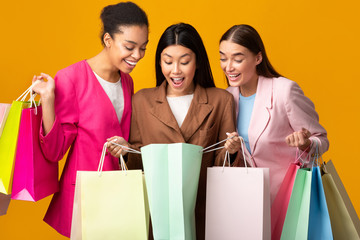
(89, 102)
(273, 114)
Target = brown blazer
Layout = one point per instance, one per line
(210, 116)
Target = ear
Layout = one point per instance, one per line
(107, 40)
(258, 58)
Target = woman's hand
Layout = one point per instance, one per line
(299, 139)
(233, 145)
(44, 89)
(116, 150)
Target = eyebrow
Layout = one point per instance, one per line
(135, 43)
(186, 54)
(234, 54)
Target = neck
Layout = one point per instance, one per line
(249, 89)
(171, 93)
(102, 66)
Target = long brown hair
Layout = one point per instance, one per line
(248, 37)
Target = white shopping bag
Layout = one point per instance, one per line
(237, 203)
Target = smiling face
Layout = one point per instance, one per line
(127, 47)
(178, 65)
(239, 64)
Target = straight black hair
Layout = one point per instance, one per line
(185, 35)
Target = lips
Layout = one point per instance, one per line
(233, 77)
(130, 63)
(177, 82)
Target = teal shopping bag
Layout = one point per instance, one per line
(297, 216)
(319, 219)
(172, 174)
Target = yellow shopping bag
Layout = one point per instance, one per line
(110, 205)
(8, 140)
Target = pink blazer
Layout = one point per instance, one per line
(85, 118)
(280, 108)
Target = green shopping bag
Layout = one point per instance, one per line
(8, 142)
(172, 174)
(297, 215)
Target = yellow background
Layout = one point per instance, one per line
(315, 43)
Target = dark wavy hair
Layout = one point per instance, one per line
(185, 35)
(248, 37)
(121, 14)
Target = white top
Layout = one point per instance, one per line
(180, 106)
(115, 94)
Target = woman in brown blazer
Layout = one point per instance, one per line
(185, 106)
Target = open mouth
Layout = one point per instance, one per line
(233, 77)
(132, 64)
(177, 82)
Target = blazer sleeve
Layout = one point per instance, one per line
(55, 144)
(227, 124)
(301, 114)
(134, 160)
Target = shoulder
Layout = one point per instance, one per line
(284, 84)
(217, 91)
(218, 95)
(145, 94)
(73, 69)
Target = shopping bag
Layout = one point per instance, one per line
(8, 142)
(341, 222)
(237, 203)
(280, 205)
(319, 219)
(4, 111)
(297, 216)
(340, 186)
(4, 203)
(110, 205)
(9, 136)
(172, 174)
(34, 176)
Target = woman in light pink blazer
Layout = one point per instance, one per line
(277, 116)
(81, 113)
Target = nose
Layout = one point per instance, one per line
(176, 68)
(136, 54)
(229, 66)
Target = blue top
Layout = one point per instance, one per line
(246, 105)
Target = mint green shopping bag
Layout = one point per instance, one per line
(172, 175)
(297, 215)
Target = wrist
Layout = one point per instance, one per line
(306, 146)
(48, 97)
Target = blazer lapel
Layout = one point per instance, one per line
(162, 111)
(198, 111)
(261, 114)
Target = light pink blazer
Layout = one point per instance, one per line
(280, 108)
(85, 118)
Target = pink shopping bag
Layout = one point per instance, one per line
(34, 176)
(281, 201)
